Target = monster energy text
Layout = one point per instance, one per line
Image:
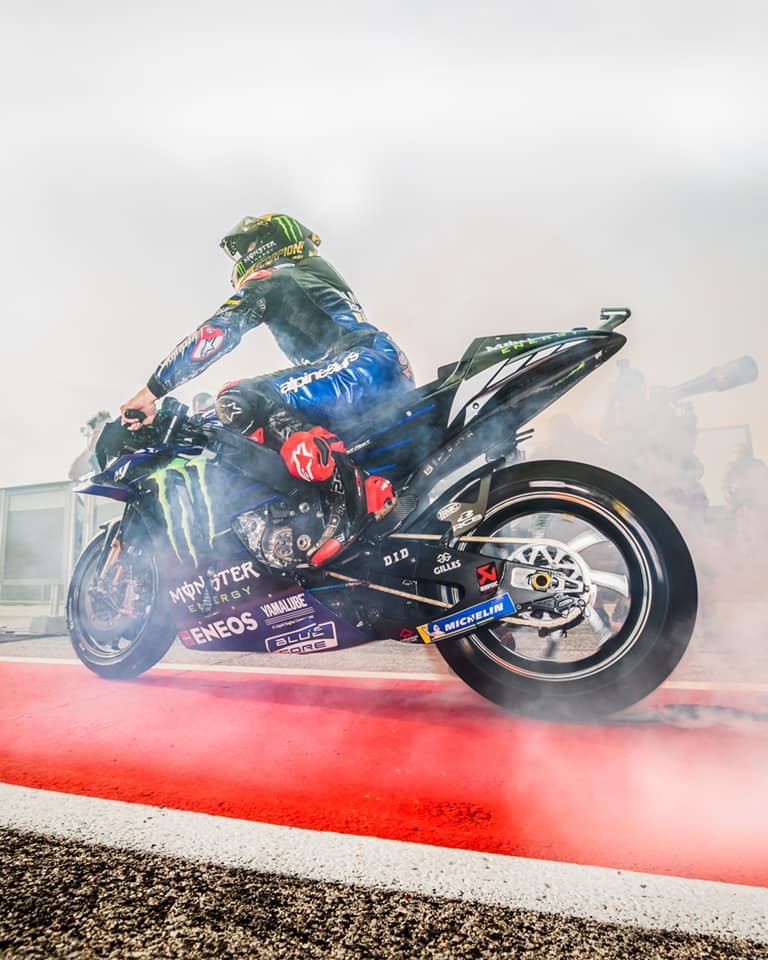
(233, 579)
(508, 346)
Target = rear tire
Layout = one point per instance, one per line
(655, 593)
(112, 643)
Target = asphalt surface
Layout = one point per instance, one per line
(383, 655)
(62, 900)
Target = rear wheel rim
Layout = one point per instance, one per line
(519, 650)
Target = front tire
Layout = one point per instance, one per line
(120, 627)
(636, 571)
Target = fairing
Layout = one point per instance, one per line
(437, 444)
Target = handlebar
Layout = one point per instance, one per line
(131, 414)
(176, 412)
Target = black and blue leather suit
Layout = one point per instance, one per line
(342, 363)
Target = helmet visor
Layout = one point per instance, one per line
(237, 239)
(234, 247)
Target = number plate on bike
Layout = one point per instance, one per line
(464, 621)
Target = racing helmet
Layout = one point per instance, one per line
(256, 242)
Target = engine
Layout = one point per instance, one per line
(279, 533)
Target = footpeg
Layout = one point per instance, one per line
(327, 552)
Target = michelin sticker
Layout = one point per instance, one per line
(465, 620)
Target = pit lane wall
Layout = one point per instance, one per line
(43, 528)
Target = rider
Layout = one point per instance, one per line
(342, 365)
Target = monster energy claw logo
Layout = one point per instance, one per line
(290, 227)
(182, 492)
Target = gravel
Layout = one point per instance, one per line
(60, 899)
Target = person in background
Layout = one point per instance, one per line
(745, 483)
(203, 403)
(86, 462)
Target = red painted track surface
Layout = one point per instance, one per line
(422, 761)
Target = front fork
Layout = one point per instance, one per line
(110, 551)
(118, 533)
(109, 573)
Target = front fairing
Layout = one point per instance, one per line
(119, 480)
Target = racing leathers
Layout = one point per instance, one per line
(342, 364)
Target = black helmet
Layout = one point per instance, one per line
(257, 242)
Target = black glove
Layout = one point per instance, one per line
(115, 438)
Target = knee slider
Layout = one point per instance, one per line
(230, 408)
(241, 409)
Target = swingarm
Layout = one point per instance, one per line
(475, 589)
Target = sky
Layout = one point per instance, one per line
(472, 169)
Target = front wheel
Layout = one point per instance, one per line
(631, 568)
(117, 620)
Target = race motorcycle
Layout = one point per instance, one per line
(554, 589)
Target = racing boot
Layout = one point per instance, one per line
(354, 498)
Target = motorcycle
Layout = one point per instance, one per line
(552, 588)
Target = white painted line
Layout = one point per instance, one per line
(692, 685)
(722, 686)
(597, 893)
(235, 668)
(66, 661)
(288, 672)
